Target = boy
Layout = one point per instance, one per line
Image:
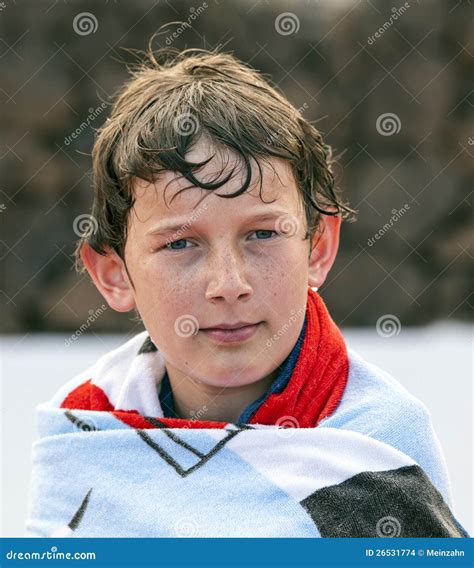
(239, 411)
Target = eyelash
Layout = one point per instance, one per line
(168, 246)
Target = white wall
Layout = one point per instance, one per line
(433, 363)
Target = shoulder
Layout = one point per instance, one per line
(377, 405)
(109, 374)
(373, 395)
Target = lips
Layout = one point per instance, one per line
(236, 325)
(231, 333)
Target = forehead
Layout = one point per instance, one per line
(164, 199)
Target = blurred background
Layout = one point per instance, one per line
(387, 83)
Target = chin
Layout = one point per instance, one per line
(226, 379)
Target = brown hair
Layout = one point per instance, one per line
(166, 107)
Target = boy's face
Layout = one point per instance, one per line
(221, 266)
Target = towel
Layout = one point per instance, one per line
(303, 463)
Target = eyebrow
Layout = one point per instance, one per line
(175, 225)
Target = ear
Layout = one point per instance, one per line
(110, 277)
(325, 243)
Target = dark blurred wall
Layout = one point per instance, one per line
(386, 83)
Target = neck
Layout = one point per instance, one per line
(196, 400)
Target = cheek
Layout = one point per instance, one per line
(286, 270)
(286, 284)
(166, 300)
(154, 290)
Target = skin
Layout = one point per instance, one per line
(222, 267)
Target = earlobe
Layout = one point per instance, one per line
(325, 244)
(109, 274)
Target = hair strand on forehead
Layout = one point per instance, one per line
(173, 100)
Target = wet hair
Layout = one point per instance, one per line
(172, 101)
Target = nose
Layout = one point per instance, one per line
(227, 280)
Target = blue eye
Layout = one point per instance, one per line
(178, 242)
(265, 234)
